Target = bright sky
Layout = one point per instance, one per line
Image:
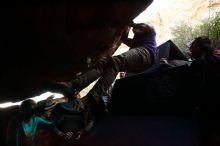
(154, 7)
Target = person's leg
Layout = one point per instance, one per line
(71, 89)
(90, 76)
(137, 59)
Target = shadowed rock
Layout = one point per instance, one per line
(52, 41)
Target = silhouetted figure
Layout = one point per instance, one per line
(206, 77)
(206, 72)
(140, 56)
(205, 57)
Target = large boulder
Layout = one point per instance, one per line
(52, 41)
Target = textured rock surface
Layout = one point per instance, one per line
(52, 41)
(165, 15)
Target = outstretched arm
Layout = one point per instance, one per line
(51, 125)
(124, 37)
(127, 42)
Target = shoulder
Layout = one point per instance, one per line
(37, 119)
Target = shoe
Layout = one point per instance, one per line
(60, 87)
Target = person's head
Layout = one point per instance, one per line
(142, 28)
(199, 46)
(27, 108)
(122, 75)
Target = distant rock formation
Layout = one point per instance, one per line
(188, 11)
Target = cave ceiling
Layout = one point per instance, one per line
(52, 41)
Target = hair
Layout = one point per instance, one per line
(144, 27)
(204, 43)
(27, 108)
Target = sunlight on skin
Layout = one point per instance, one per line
(36, 98)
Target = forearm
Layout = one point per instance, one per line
(124, 36)
(127, 41)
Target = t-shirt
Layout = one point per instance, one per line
(29, 129)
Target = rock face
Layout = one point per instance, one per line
(52, 41)
(175, 12)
